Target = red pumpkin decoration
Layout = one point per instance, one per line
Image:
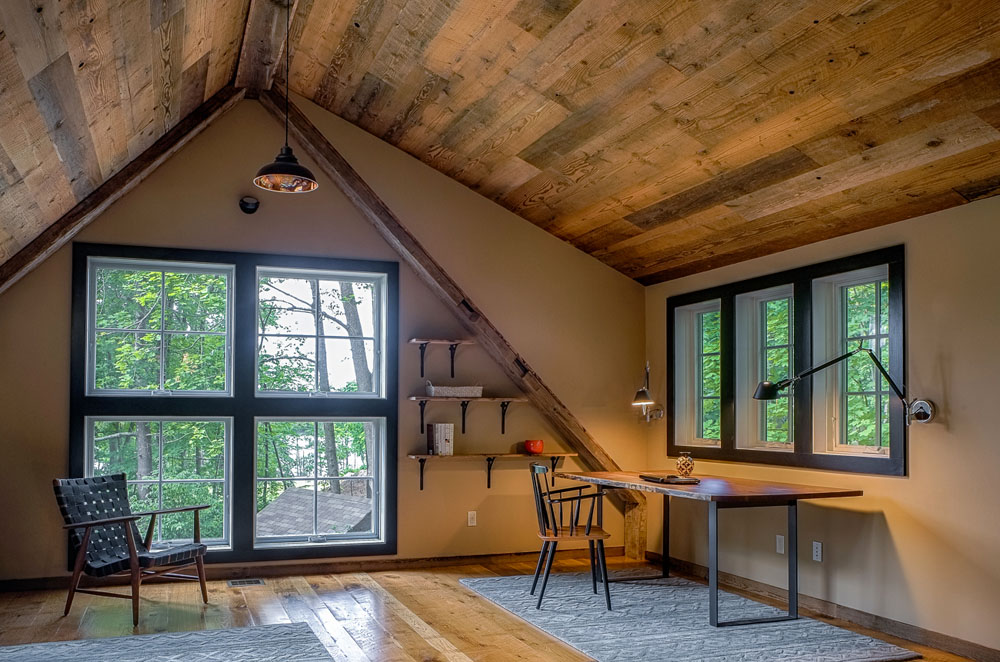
(533, 446)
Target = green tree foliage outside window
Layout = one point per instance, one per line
(776, 364)
(865, 312)
(709, 376)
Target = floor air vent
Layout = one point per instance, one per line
(236, 583)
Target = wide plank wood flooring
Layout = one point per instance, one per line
(403, 615)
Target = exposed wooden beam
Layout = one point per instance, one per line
(263, 44)
(388, 225)
(77, 218)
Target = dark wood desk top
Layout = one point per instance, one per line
(714, 488)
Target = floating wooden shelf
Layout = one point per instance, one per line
(504, 404)
(490, 459)
(452, 346)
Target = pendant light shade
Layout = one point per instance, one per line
(285, 175)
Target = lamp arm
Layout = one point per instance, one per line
(824, 366)
(881, 368)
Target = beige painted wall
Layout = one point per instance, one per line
(924, 549)
(576, 321)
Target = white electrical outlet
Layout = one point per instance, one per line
(472, 518)
(817, 551)
(779, 544)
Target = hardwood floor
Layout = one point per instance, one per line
(390, 616)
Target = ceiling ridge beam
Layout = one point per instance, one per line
(388, 225)
(263, 44)
(69, 224)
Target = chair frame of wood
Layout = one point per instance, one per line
(135, 572)
(550, 508)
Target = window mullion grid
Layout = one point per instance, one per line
(315, 478)
(163, 329)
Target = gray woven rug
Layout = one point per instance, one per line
(289, 642)
(667, 620)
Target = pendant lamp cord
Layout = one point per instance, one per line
(288, 11)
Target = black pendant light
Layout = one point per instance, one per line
(285, 174)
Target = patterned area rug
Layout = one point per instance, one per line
(290, 642)
(667, 619)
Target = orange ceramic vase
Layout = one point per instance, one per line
(533, 446)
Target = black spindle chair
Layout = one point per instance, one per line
(105, 538)
(556, 525)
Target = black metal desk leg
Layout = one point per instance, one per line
(793, 560)
(665, 560)
(713, 563)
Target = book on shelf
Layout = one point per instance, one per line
(441, 438)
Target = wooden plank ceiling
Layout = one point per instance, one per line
(87, 85)
(671, 137)
(664, 138)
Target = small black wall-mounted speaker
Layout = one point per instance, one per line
(249, 204)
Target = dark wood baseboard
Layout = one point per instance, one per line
(816, 607)
(225, 571)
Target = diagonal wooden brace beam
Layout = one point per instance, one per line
(123, 181)
(326, 156)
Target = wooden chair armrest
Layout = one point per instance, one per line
(167, 511)
(102, 522)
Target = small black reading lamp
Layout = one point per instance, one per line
(921, 411)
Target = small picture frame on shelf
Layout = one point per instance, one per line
(440, 439)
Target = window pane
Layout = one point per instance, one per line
(195, 302)
(128, 447)
(776, 322)
(127, 299)
(285, 508)
(777, 364)
(287, 305)
(286, 449)
(194, 449)
(345, 447)
(180, 526)
(777, 421)
(350, 302)
(862, 303)
(860, 373)
(862, 420)
(711, 376)
(710, 332)
(710, 419)
(142, 498)
(883, 355)
(884, 307)
(127, 361)
(287, 364)
(195, 363)
(346, 365)
(344, 506)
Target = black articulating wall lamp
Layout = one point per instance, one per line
(285, 174)
(921, 411)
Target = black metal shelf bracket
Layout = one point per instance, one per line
(423, 406)
(554, 460)
(465, 408)
(489, 471)
(503, 416)
(423, 461)
(423, 351)
(451, 349)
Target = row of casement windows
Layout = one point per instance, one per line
(160, 336)
(717, 364)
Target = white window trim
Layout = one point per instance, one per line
(95, 263)
(377, 535)
(828, 343)
(686, 374)
(379, 286)
(221, 544)
(748, 343)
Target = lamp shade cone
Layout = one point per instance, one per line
(285, 175)
(642, 397)
(766, 391)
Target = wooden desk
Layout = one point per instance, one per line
(724, 493)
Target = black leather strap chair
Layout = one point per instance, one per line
(106, 542)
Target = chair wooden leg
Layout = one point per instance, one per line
(200, 560)
(136, 579)
(81, 559)
(593, 565)
(604, 572)
(538, 566)
(548, 569)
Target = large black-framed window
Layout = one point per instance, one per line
(778, 325)
(235, 413)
